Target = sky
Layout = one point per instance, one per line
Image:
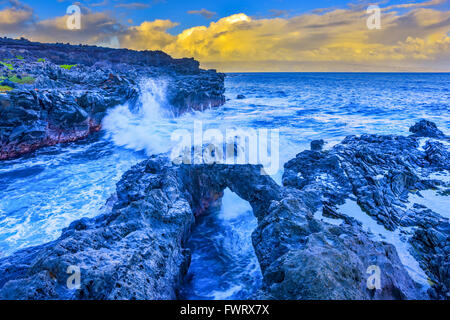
(252, 36)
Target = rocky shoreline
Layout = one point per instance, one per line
(137, 249)
(381, 174)
(55, 93)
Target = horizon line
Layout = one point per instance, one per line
(355, 72)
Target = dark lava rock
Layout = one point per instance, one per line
(136, 251)
(240, 97)
(380, 173)
(133, 252)
(425, 128)
(50, 104)
(317, 145)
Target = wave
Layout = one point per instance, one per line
(144, 125)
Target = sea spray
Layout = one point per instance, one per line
(151, 127)
(139, 127)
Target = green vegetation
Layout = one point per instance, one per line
(41, 60)
(4, 89)
(14, 78)
(8, 65)
(68, 66)
(24, 80)
(20, 57)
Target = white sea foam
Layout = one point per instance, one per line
(432, 200)
(352, 209)
(146, 128)
(149, 127)
(233, 206)
(227, 294)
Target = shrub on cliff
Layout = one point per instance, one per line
(4, 89)
(8, 65)
(68, 66)
(22, 80)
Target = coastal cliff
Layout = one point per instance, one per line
(55, 93)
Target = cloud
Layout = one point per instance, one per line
(336, 40)
(133, 5)
(415, 5)
(16, 17)
(148, 35)
(274, 13)
(204, 13)
(96, 27)
(11, 19)
(100, 4)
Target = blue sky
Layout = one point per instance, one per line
(177, 10)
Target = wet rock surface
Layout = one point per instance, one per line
(137, 249)
(56, 93)
(133, 252)
(425, 128)
(382, 173)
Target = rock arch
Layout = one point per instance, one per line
(136, 251)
